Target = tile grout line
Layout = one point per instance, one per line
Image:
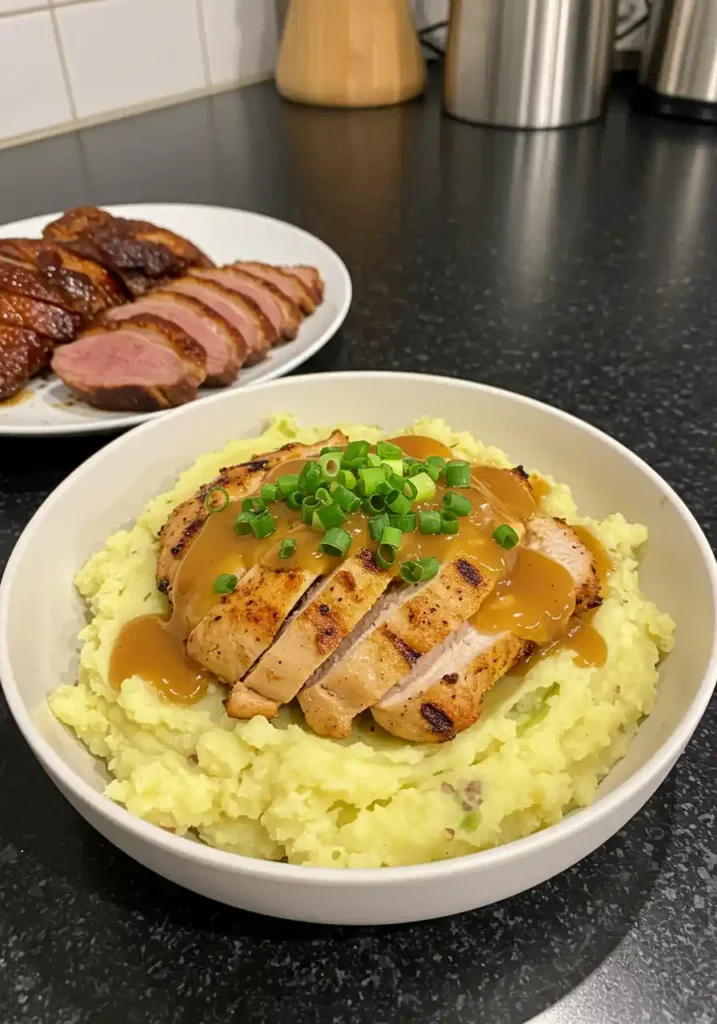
(63, 62)
(203, 42)
(41, 8)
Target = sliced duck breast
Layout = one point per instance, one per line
(14, 372)
(288, 284)
(282, 313)
(223, 345)
(47, 319)
(243, 316)
(311, 280)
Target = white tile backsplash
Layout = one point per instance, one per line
(241, 38)
(31, 77)
(13, 6)
(121, 53)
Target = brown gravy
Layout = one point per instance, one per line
(581, 637)
(17, 399)
(145, 647)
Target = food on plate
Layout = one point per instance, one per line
(364, 692)
(62, 297)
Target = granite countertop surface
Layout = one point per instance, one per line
(579, 267)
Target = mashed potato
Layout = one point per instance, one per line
(275, 790)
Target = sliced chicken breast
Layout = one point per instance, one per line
(241, 625)
(413, 621)
(556, 539)
(187, 519)
(335, 608)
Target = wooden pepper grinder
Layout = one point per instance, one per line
(350, 53)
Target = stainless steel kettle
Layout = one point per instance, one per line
(678, 71)
(529, 63)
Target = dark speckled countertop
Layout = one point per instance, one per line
(577, 266)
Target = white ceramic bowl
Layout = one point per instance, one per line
(40, 616)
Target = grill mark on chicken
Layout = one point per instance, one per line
(469, 572)
(407, 653)
(438, 720)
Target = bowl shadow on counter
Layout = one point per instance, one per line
(505, 963)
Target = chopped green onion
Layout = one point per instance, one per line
(436, 460)
(398, 503)
(395, 465)
(294, 500)
(384, 488)
(373, 505)
(458, 473)
(405, 523)
(414, 467)
(288, 547)
(348, 501)
(418, 570)
(409, 460)
(457, 503)
(328, 516)
(225, 583)
(505, 536)
(396, 482)
(310, 477)
(391, 536)
(335, 542)
(376, 525)
(308, 507)
(373, 460)
(323, 495)
(330, 448)
(369, 480)
(263, 525)
(347, 479)
(209, 499)
(385, 556)
(242, 524)
(425, 487)
(449, 522)
(270, 492)
(356, 450)
(429, 522)
(354, 464)
(255, 505)
(287, 483)
(433, 471)
(329, 466)
(386, 450)
(409, 489)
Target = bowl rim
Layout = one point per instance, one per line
(206, 856)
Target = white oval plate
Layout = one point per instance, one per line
(47, 407)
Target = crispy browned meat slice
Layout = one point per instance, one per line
(310, 278)
(241, 625)
(187, 519)
(442, 695)
(282, 312)
(244, 318)
(42, 317)
(14, 370)
(180, 246)
(410, 623)
(313, 635)
(288, 284)
(90, 284)
(76, 222)
(31, 283)
(191, 354)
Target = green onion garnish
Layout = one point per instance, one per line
(356, 450)
(373, 460)
(209, 499)
(347, 479)
(348, 501)
(425, 487)
(369, 480)
(449, 522)
(386, 450)
(505, 536)
(418, 570)
(409, 489)
(458, 474)
(310, 477)
(433, 471)
(394, 465)
(376, 525)
(242, 524)
(323, 495)
(288, 547)
(328, 516)
(436, 460)
(457, 503)
(405, 523)
(330, 448)
(429, 522)
(398, 503)
(373, 505)
(270, 492)
(308, 507)
(329, 466)
(294, 500)
(287, 483)
(336, 542)
(392, 537)
(225, 583)
(385, 488)
(263, 525)
(385, 556)
(354, 464)
(255, 505)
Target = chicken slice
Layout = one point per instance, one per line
(241, 625)
(186, 520)
(442, 696)
(313, 634)
(410, 623)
